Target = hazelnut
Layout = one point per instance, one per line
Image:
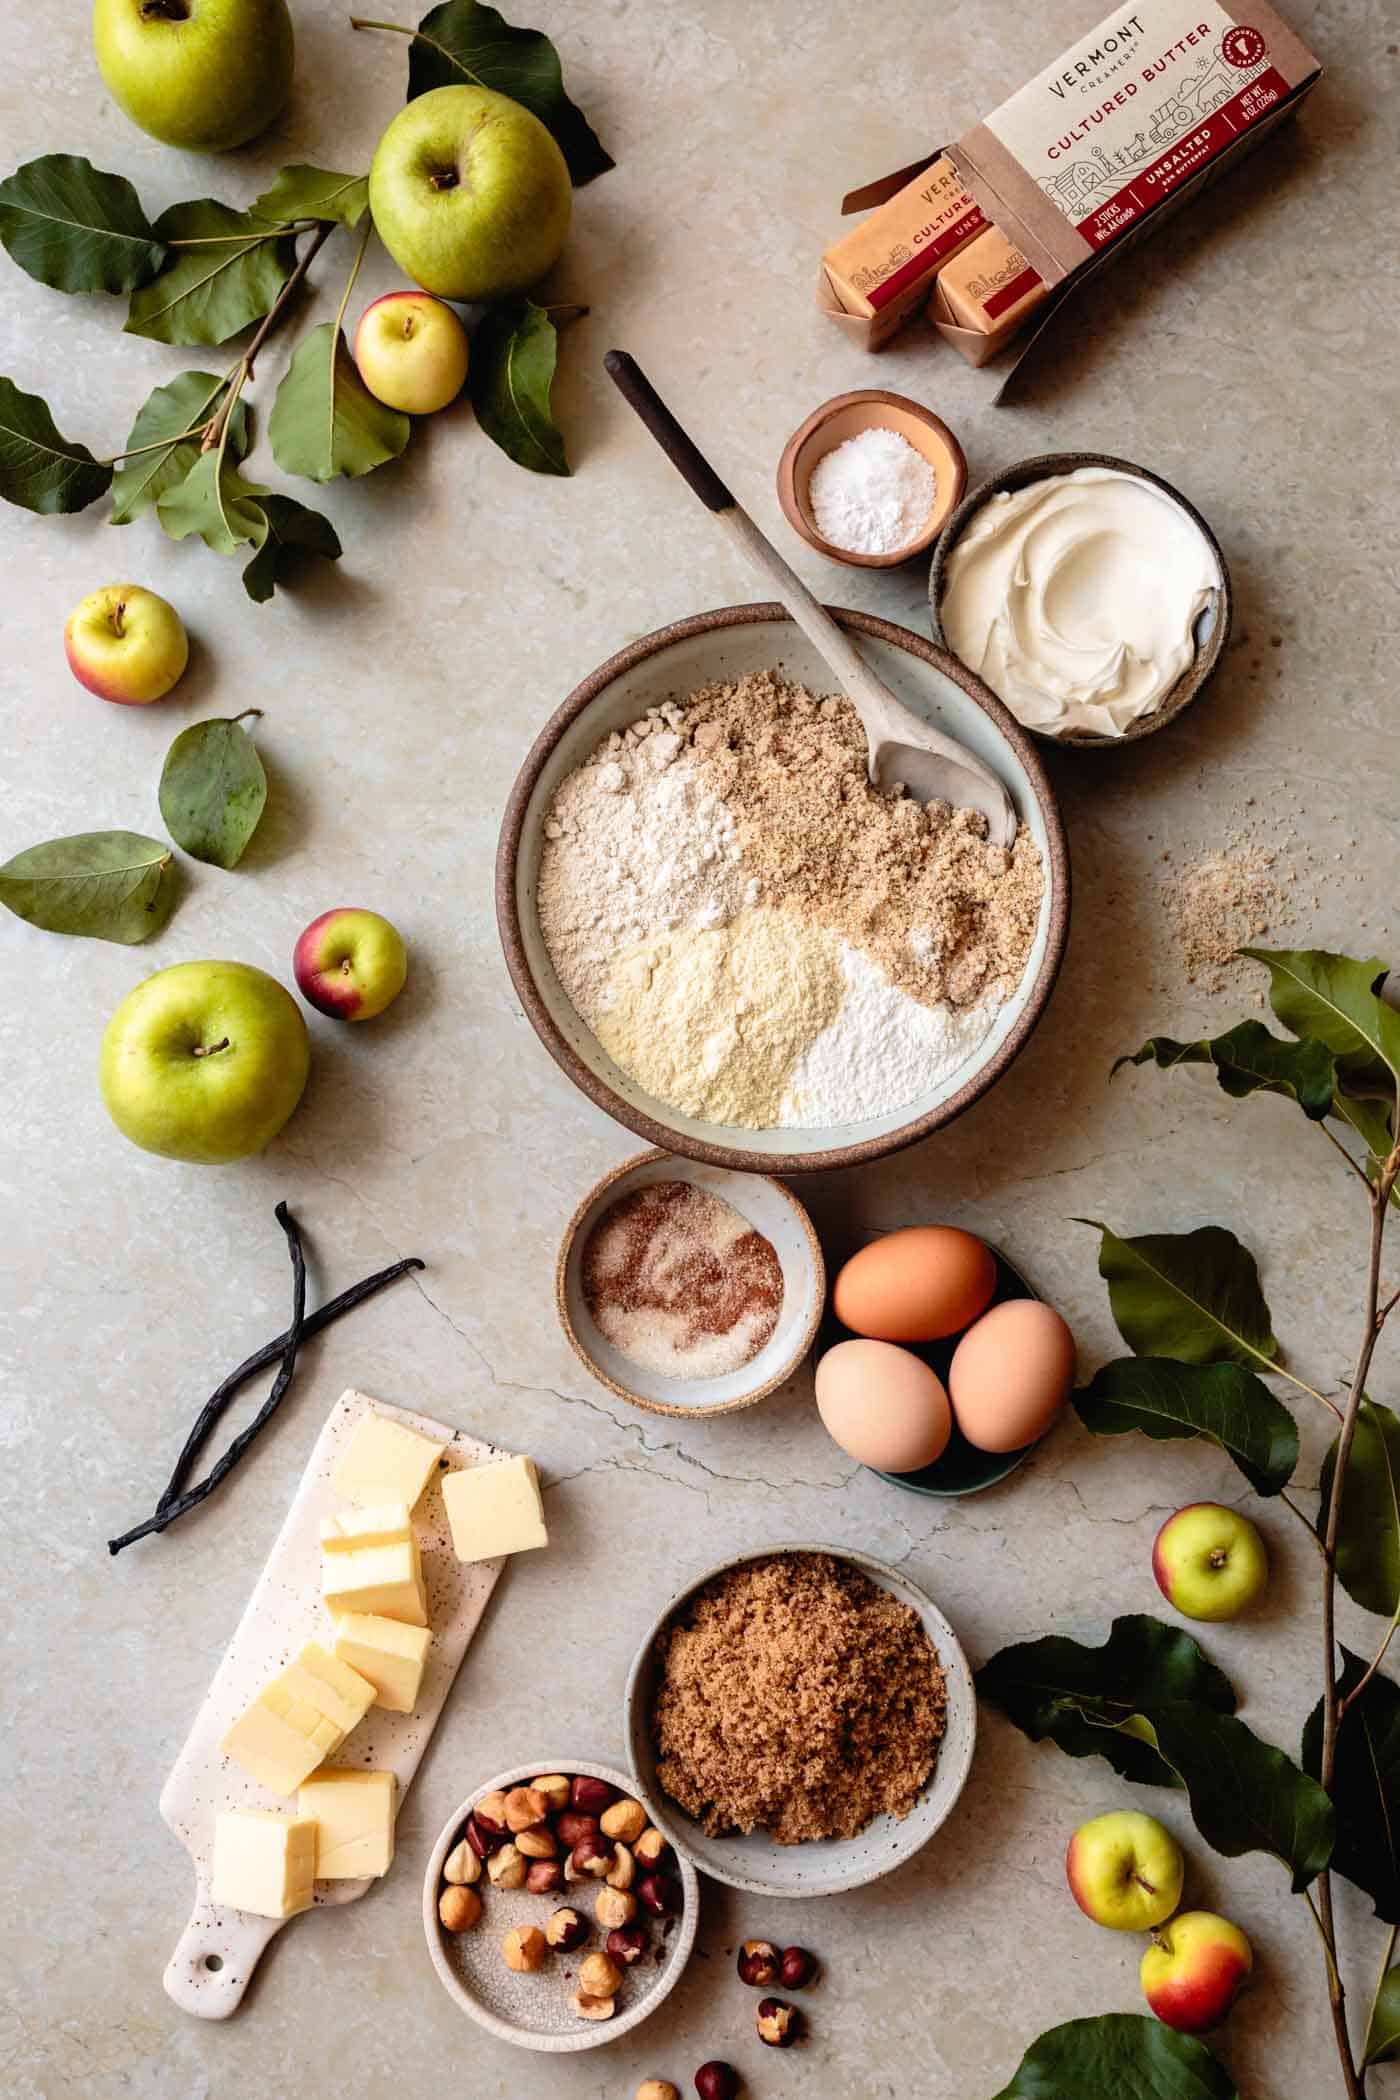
(650, 1848)
(459, 1908)
(537, 1842)
(623, 1871)
(599, 1976)
(566, 1930)
(625, 1820)
(543, 1877)
(657, 2089)
(591, 1796)
(627, 1944)
(524, 1807)
(588, 2008)
(506, 1868)
(572, 1828)
(717, 2080)
(525, 1949)
(660, 1894)
(797, 1970)
(555, 1788)
(489, 1814)
(480, 1841)
(759, 1962)
(779, 2024)
(614, 1907)
(461, 1864)
(593, 1856)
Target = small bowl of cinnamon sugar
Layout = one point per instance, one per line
(688, 1289)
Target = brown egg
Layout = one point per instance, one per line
(917, 1285)
(1011, 1374)
(883, 1406)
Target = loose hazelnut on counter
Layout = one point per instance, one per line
(459, 1908)
(555, 1788)
(627, 1944)
(797, 1970)
(623, 1871)
(461, 1864)
(506, 1868)
(625, 1819)
(593, 1856)
(717, 2080)
(650, 1849)
(599, 1976)
(490, 1814)
(657, 2089)
(591, 1796)
(779, 2024)
(566, 1930)
(588, 2008)
(759, 1962)
(543, 1877)
(660, 1894)
(525, 1949)
(572, 1827)
(524, 1807)
(614, 1907)
(538, 1842)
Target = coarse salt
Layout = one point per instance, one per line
(872, 494)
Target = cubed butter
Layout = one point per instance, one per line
(385, 1463)
(264, 1862)
(298, 1720)
(391, 1655)
(495, 1509)
(370, 1562)
(380, 1524)
(354, 1817)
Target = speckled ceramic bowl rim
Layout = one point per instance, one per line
(1207, 659)
(951, 1657)
(678, 1946)
(944, 501)
(816, 1258)
(661, 1135)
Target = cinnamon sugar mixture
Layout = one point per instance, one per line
(677, 1280)
(797, 1696)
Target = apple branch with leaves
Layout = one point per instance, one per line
(1191, 1309)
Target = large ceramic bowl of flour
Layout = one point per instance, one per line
(876, 1070)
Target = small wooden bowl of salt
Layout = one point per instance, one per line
(871, 478)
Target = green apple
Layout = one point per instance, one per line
(1195, 1969)
(1209, 1561)
(411, 352)
(205, 74)
(205, 1061)
(1125, 1870)
(126, 644)
(470, 194)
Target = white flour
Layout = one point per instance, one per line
(873, 494)
(882, 1051)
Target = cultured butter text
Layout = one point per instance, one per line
(1123, 95)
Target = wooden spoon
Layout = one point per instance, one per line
(903, 749)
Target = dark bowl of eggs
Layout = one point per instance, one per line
(940, 1368)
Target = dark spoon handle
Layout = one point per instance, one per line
(682, 451)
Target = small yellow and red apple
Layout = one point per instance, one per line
(350, 964)
(1209, 1561)
(411, 352)
(1194, 1970)
(1125, 1871)
(125, 644)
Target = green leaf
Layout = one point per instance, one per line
(228, 277)
(466, 41)
(1370, 1119)
(104, 885)
(302, 192)
(293, 533)
(1249, 1060)
(1194, 1296)
(1368, 1535)
(216, 502)
(1365, 1785)
(1334, 998)
(1118, 2056)
(40, 470)
(213, 791)
(74, 228)
(325, 421)
(1383, 2034)
(510, 378)
(161, 421)
(1165, 1400)
(1245, 1794)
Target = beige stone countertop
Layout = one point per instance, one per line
(1247, 354)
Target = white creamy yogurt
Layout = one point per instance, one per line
(1076, 598)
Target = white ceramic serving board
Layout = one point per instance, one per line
(220, 1947)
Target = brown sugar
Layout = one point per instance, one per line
(797, 1696)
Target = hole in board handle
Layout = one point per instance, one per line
(213, 1963)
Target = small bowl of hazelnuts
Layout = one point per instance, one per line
(556, 1913)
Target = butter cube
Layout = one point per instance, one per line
(354, 1816)
(385, 1463)
(370, 1562)
(381, 1524)
(389, 1654)
(495, 1509)
(264, 1862)
(298, 1720)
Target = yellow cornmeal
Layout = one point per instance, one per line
(715, 1022)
